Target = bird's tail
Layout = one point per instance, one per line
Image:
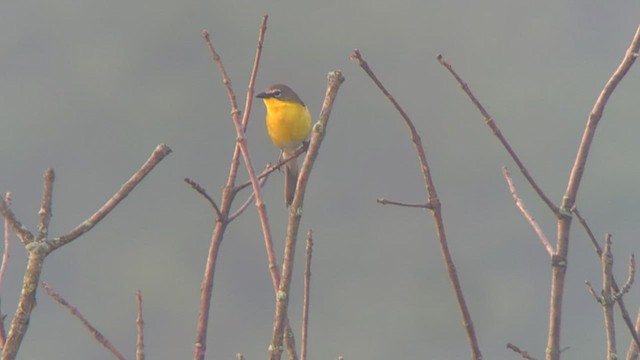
(290, 179)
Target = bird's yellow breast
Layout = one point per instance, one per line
(288, 123)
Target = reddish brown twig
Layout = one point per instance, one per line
(160, 152)
(200, 190)
(75, 312)
(633, 328)
(306, 298)
(140, 327)
(436, 211)
(383, 201)
(525, 355)
(45, 207)
(496, 131)
(527, 215)
(3, 267)
(634, 349)
(7, 247)
(609, 295)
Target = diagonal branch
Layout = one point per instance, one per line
(526, 213)
(496, 131)
(75, 312)
(160, 152)
(436, 211)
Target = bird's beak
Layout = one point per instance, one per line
(263, 95)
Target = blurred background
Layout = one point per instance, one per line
(91, 87)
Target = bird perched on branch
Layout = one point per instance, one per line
(288, 125)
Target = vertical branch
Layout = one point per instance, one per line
(26, 303)
(496, 131)
(607, 297)
(140, 327)
(45, 207)
(564, 219)
(620, 300)
(436, 211)
(305, 298)
(335, 79)
(7, 244)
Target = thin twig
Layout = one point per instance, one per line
(200, 190)
(634, 349)
(436, 211)
(25, 236)
(524, 354)
(608, 298)
(246, 203)
(7, 247)
(140, 327)
(3, 268)
(586, 227)
(306, 297)
(273, 168)
(496, 131)
(621, 305)
(45, 207)
(384, 201)
(75, 312)
(520, 204)
(631, 271)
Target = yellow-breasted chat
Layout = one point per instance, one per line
(288, 125)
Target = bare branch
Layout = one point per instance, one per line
(5, 254)
(525, 355)
(586, 227)
(140, 327)
(525, 212)
(306, 298)
(200, 190)
(631, 273)
(45, 207)
(623, 308)
(25, 236)
(568, 200)
(75, 312)
(160, 152)
(246, 203)
(496, 131)
(384, 201)
(594, 118)
(435, 205)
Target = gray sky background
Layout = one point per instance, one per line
(90, 87)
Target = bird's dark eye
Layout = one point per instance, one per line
(277, 93)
